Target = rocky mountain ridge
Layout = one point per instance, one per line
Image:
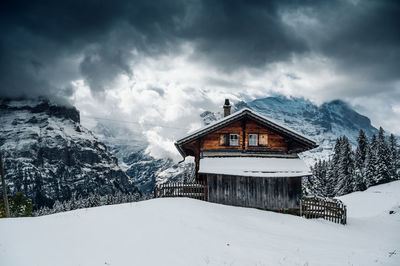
(50, 156)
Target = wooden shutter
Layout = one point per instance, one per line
(223, 139)
(263, 140)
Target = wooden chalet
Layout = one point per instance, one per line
(248, 160)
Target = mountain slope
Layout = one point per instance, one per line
(144, 170)
(324, 124)
(49, 156)
(180, 231)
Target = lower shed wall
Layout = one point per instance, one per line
(268, 193)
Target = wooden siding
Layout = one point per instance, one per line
(244, 128)
(211, 141)
(276, 193)
(275, 141)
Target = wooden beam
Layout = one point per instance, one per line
(197, 157)
(244, 133)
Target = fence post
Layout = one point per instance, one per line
(155, 191)
(301, 207)
(206, 192)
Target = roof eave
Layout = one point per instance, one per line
(308, 143)
(178, 147)
(206, 130)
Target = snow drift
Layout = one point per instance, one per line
(179, 231)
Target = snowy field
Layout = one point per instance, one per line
(191, 232)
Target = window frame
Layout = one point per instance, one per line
(238, 139)
(248, 140)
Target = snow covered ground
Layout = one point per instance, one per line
(190, 232)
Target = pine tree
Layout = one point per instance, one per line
(371, 163)
(97, 200)
(383, 158)
(360, 159)
(311, 180)
(330, 179)
(361, 150)
(360, 182)
(394, 158)
(334, 167)
(90, 201)
(317, 180)
(58, 207)
(398, 163)
(324, 182)
(73, 203)
(345, 178)
(109, 200)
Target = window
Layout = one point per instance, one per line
(233, 140)
(253, 140)
(263, 140)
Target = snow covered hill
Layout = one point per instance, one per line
(179, 231)
(49, 156)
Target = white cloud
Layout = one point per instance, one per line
(167, 94)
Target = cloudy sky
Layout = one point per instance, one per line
(165, 62)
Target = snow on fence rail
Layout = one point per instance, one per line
(195, 190)
(329, 209)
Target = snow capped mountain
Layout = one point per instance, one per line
(144, 170)
(49, 156)
(324, 124)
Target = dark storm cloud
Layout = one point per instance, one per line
(236, 33)
(38, 35)
(364, 37)
(95, 39)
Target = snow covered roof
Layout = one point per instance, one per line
(246, 112)
(254, 166)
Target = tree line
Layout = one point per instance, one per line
(92, 200)
(374, 161)
(19, 206)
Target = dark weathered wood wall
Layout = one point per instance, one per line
(211, 141)
(244, 127)
(275, 141)
(268, 193)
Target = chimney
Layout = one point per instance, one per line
(227, 108)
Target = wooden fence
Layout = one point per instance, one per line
(329, 209)
(195, 190)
